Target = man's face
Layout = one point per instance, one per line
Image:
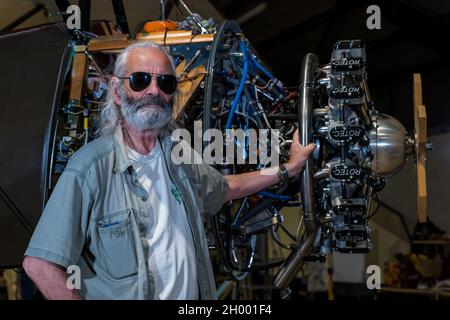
(151, 107)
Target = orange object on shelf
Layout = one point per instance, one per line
(160, 25)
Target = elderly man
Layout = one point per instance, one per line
(123, 212)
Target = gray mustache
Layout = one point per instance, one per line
(147, 100)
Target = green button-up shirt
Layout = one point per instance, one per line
(98, 214)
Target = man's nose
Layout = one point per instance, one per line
(153, 88)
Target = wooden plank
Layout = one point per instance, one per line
(330, 282)
(433, 242)
(111, 37)
(109, 45)
(187, 85)
(116, 45)
(160, 34)
(417, 89)
(420, 165)
(171, 38)
(420, 125)
(11, 283)
(79, 69)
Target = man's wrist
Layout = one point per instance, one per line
(291, 169)
(283, 174)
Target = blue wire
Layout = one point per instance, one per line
(246, 138)
(274, 196)
(258, 65)
(241, 86)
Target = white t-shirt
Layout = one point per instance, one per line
(171, 258)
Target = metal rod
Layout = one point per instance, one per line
(183, 4)
(293, 263)
(305, 122)
(23, 18)
(296, 258)
(163, 10)
(185, 7)
(320, 112)
(322, 174)
(167, 10)
(85, 8)
(121, 17)
(16, 212)
(401, 217)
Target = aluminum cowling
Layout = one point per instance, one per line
(388, 143)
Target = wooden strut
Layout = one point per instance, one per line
(330, 283)
(77, 82)
(187, 85)
(79, 68)
(420, 125)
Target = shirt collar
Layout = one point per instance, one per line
(122, 161)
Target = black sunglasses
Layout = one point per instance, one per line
(141, 80)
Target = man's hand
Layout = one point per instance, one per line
(298, 155)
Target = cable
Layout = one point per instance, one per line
(378, 206)
(287, 232)
(240, 89)
(74, 113)
(264, 87)
(261, 109)
(54, 10)
(271, 195)
(94, 102)
(96, 66)
(18, 271)
(16, 212)
(197, 53)
(258, 65)
(277, 240)
(401, 217)
(65, 155)
(300, 223)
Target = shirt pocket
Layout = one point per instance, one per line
(117, 244)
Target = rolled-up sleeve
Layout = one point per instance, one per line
(60, 234)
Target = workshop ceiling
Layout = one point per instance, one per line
(412, 38)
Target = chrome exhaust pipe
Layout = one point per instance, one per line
(295, 260)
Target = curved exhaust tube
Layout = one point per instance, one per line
(295, 260)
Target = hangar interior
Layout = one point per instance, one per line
(56, 80)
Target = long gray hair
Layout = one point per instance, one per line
(110, 115)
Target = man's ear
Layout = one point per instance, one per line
(114, 83)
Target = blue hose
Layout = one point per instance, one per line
(241, 86)
(274, 196)
(258, 65)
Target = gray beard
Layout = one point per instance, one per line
(138, 115)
